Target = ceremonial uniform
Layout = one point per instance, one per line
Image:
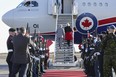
(10, 53)
(10, 49)
(98, 59)
(87, 53)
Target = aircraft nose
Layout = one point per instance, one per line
(8, 18)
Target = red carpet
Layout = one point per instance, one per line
(63, 73)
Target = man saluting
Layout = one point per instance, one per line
(21, 53)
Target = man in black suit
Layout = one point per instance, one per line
(10, 49)
(21, 56)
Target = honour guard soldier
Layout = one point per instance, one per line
(10, 49)
(108, 45)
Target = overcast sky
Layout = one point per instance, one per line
(5, 6)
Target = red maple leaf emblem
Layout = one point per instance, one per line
(86, 23)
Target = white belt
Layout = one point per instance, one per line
(42, 56)
(91, 48)
(10, 50)
(34, 57)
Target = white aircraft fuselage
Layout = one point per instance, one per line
(96, 12)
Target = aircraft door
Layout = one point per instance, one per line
(67, 6)
(50, 6)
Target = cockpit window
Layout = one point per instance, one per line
(31, 4)
(28, 4)
(34, 3)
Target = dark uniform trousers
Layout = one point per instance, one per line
(8, 60)
(10, 53)
(101, 64)
(21, 68)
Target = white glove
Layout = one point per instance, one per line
(96, 53)
(91, 48)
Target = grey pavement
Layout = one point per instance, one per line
(4, 67)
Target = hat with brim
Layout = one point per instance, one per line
(12, 30)
(111, 27)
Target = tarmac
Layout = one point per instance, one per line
(4, 66)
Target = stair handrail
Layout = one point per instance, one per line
(73, 36)
(55, 35)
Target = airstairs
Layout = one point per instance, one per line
(64, 55)
(67, 13)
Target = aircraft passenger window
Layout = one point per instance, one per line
(89, 4)
(106, 4)
(84, 4)
(100, 4)
(95, 4)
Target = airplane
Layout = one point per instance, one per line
(84, 15)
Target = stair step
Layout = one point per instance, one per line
(64, 54)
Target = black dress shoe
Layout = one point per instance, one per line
(43, 72)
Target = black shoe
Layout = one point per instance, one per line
(43, 72)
